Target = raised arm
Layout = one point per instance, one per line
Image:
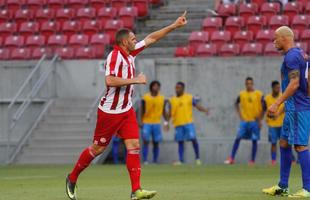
(157, 35)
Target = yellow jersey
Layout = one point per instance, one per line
(273, 122)
(154, 107)
(250, 105)
(182, 109)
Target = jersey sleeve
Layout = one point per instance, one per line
(140, 46)
(292, 61)
(195, 100)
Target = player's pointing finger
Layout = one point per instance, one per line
(184, 14)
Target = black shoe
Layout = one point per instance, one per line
(70, 189)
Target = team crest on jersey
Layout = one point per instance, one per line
(103, 140)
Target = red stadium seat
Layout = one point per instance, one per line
(307, 9)
(228, 50)
(252, 49)
(77, 4)
(5, 15)
(65, 52)
(300, 22)
(270, 50)
(23, 15)
(43, 15)
(182, 52)
(2, 3)
(50, 28)
(77, 40)
(14, 5)
(7, 29)
(277, 21)
(35, 41)
(91, 27)
(234, 24)
(100, 40)
(36, 4)
(206, 50)
(111, 27)
(57, 41)
(105, 14)
(259, 2)
(270, 9)
(29, 28)
(303, 46)
(1, 41)
(156, 3)
(291, 9)
(85, 53)
(264, 37)
(38, 52)
(97, 4)
(142, 6)
(198, 37)
(118, 4)
(220, 37)
(84, 14)
(256, 23)
(21, 54)
(57, 4)
(4, 54)
(227, 10)
(247, 10)
(296, 35)
(64, 14)
(14, 41)
(128, 16)
(71, 27)
(211, 24)
(305, 37)
(243, 37)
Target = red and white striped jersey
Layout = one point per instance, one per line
(120, 64)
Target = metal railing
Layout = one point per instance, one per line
(15, 118)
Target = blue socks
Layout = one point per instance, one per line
(181, 151)
(273, 155)
(235, 148)
(304, 160)
(254, 150)
(285, 166)
(145, 151)
(115, 151)
(196, 148)
(155, 152)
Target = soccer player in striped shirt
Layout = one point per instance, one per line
(115, 112)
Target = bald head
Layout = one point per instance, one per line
(284, 39)
(285, 31)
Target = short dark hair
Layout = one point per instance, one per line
(249, 78)
(181, 84)
(155, 82)
(274, 83)
(121, 34)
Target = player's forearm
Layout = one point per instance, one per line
(201, 108)
(290, 91)
(158, 35)
(112, 81)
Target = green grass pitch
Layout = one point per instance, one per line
(108, 182)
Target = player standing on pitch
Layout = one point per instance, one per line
(296, 125)
(115, 112)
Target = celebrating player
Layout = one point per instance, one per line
(115, 112)
(296, 124)
(249, 108)
(181, 112)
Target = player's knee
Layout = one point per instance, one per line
(132, 144)
(284, 144)
(96, 149)
(300, 148)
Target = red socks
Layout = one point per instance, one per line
(134, 167)
(85, 159)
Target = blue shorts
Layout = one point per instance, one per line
(116, 139)
(274, 134)
(185, 132)
(296, 127)
(152, 132)
(249, 130)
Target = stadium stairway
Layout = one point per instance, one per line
(61, 135)
(196, 12)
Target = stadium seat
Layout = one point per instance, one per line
(91, 27)
(7, 29)
(1, 41)
(234, 24)
(256, 23)
(65, 52)
(307, 9)
(57, 4)
(198, 37)
(23, 15)
(84, 14)
(211, 24)
(182, 52)
(77, 40)
(270, 9)
(36, 4)
(35, 41)
(4, 54)
(142, 6)
(264, 37)
(14, 41)
(105, 14)
(243, 37)
(71, 27)
(303, 4)
(118, 4)
(49, 28)
(303, 46)
(57, 40)
(99, 39)
(29, 28)
(97, 4)
(248, 9)
(111, 27)
(64, 14)
(252, 49)
(14, 5)
(227, 50)
(43, 15)
(296, 35)
(86, 53)
(227, 10)
(277, 21)
(220, 37)
(2, 3)
(300, 22)
(77, 4)
(305, 37)
(270, 50)
(21, 54)
(5, 15)
(128, 16)
(291, 9)
(38, 52)
(156, 3)
(206, 50)
(259, 2)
